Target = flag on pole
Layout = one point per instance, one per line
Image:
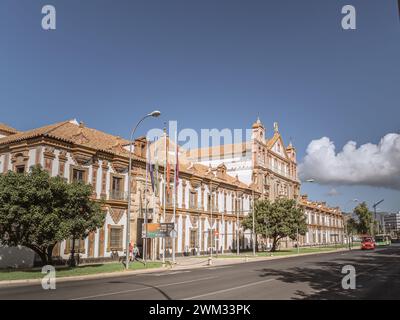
(150, 167)
(167, 165)
(177, 163)
(156, 186)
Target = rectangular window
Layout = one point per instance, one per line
(78, 175)
(117, 188)
(193, 238)
(79, 246)
(20, 169)
(169, 197)
(117, 184)
(192, 200)
(116, 238)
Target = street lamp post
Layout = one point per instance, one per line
(154, 114)
(237, 226)
(211, 214)
(254, 229)
(375, 205)
(266, 234)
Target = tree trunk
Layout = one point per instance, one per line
(50, 254)
(274, 244)
(41, 253)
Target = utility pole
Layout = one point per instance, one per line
(266, 233)
(254, 224)
(164, 192)
(375, 205)
(237, 227)
(211, 211)
(174, 199)
(223, 227)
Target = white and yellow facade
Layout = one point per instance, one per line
(325, 225)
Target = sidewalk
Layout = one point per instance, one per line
(182, 263)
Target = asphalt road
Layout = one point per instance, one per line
(305, 277)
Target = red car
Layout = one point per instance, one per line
(368, 244)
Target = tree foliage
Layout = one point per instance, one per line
(351, 226)
(37, 211)
(365, 219)
(277, 220)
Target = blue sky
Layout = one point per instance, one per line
(209, 64)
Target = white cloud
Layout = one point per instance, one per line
(369, 165)
(333, 193)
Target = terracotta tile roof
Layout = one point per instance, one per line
(92, 138)
(318, 205)
(7, 129)
(30, 133)
(72, 132)
(220, 150)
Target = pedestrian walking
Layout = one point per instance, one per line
(130, 251)
(136, 252)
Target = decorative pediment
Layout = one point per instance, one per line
(80, 137)
(116, 214)
(63, 156)
(195, 182)
(82, 158)
(191, 167)
(120, 166)
(193, 221)
(49, 152)
(118, 146)
(209, 173)
(277, 146)
(20, 157)
(221, 171)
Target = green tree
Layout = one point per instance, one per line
(37, 211)
(351, 226)
(277, 220)
(365, 219)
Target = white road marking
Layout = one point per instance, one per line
(142, 289)
(216, 268)
(167, 273)
(229, 289)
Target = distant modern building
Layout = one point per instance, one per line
(392, 223)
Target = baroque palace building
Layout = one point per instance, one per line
(216, 189)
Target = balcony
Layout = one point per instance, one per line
(118, 195)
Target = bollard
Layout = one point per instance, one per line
(246, 258)
(210, 261)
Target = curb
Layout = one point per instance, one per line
(7, 283)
